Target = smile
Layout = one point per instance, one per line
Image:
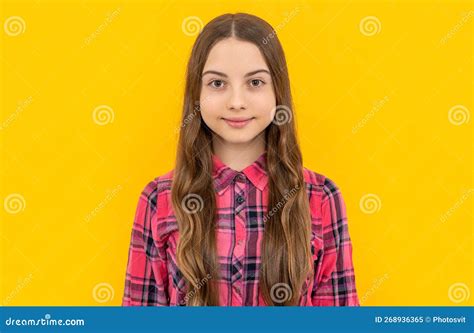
(238, 122)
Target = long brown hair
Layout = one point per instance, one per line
(286, 251)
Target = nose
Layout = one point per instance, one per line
(236, 100)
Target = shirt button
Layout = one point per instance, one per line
(239, 243)
(240, 199)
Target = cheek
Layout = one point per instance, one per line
(211, 110)
(265, 107)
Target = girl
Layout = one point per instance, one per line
(239, 221)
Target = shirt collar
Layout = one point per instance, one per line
(223, 175)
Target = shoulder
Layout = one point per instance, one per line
(317, 182)
(155, 189)
(155, 209)
(328, 210)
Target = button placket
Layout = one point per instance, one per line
(240, 218)
(239, 192)
(240, 230)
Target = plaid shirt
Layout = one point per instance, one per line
(154, 279)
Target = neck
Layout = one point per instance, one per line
(238, 156)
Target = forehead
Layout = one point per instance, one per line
(235, 57)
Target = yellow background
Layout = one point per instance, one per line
(373, 108)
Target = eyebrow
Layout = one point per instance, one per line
(246, 75)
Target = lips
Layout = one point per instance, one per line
(238, 122)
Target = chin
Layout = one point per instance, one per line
(237, 139)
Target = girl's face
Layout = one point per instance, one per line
(237, 99)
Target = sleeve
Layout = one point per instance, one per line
(146, 280)
(334, 283)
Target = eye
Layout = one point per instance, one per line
(216, 83)
(256, 83)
